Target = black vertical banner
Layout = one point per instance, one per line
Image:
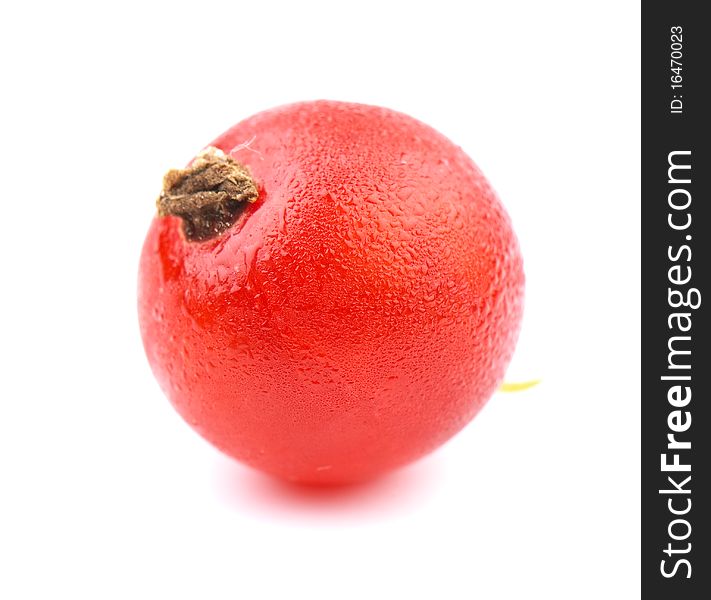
(676, 301)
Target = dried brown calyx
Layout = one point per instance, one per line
(208, 196)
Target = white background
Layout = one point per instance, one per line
(105, 493)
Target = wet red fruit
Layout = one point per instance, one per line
(352, 318)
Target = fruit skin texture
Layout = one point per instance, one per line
(356, 316)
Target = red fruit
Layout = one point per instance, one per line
(355, 316)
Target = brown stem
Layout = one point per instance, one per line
(208, 196)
